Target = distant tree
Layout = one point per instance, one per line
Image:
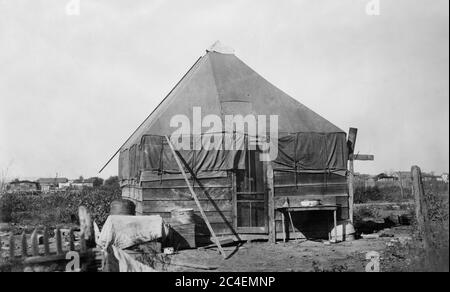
(96, 181)
(81, 178)
(112, 181)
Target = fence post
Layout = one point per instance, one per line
(12, 246)
(59, 249)
(423, 223)
(83, 247)
(24, 245)
(72, 239)
(418, 191)
(34, 243)
(46, 242)
(86, 227)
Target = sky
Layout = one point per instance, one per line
(73, 87)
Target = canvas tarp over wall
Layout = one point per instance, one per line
(313, 152)
(302, 152)
(154, 154)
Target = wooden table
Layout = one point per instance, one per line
(288, 210)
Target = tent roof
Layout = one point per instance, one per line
(221, 84)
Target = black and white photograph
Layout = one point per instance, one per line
(224, 143)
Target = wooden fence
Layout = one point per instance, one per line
(79, 255)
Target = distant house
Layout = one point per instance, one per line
(404, 175)
(82, 183)
(431, 177)
(64, 185)
(382, 177)
(22, 186)
(49, 184)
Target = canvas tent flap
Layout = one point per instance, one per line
(312, 152)
(154, 154)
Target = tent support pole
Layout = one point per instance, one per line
(271, 202)
(194, 195)
(351, 180)
(352, 134)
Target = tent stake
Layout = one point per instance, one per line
(194, 195)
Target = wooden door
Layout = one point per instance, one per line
(250, 198)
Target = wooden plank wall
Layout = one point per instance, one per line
(161, 197)
(330, 189)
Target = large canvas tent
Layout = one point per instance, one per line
(232, 184)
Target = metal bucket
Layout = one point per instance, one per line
(345, 232)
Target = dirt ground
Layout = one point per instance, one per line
(291, 256)
(397, 249)
(296, 256)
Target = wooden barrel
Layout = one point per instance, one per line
(183, 216)
(122, 207)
